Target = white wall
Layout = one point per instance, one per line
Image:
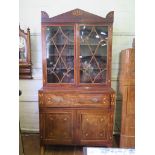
(30, 16)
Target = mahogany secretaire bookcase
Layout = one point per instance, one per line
(76, 103)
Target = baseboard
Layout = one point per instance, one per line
(29, 130)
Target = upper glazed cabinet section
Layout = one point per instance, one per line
(77, 49)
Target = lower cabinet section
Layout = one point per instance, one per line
(76, 118)
(77, 126)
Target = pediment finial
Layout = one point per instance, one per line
(44, 14)
(110, 16)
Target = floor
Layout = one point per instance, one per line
(31, 146)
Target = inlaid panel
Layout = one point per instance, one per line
(94, 125)
(59, 125)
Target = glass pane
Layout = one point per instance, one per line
(22, 49)
(60, 54)
(93, 54)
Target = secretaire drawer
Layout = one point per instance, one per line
(76, 99)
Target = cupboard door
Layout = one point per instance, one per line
(94, 127)
(59, 126)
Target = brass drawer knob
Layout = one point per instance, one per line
(51, 134)
(64, 133)
(51, 118)
(57, 99)
(65, 119)
(94, 100)
(101, 119)
(86, 134)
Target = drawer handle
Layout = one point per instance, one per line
(57, 99)
(65, 119)
(101, 119)
(95, 100)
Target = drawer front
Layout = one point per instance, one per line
(77, 100)
(60, 99)
(93, 99)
